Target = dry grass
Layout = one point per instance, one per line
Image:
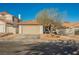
(9, 37)
(47, 44)
(44, 37)
(57, 37)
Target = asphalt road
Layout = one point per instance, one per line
(43, 48)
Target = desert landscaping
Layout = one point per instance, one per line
(39, 45)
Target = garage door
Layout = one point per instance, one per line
(30, 29)
(11, 30)
(2, 28)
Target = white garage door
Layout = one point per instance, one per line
(30, 29)
(2, 28)
(11, 30)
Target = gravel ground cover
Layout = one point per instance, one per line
(33, 45)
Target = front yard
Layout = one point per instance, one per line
(34, 45)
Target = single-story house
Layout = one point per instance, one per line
(30, 27)
(70, 28)
(8, 23)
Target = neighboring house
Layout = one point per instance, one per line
(30, 27)
(8, 23)
(33, 27)
(70, 28)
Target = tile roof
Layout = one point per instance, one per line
(3, 13)
(71, 24)
(6, 21)
(31, 22)
(76, 25)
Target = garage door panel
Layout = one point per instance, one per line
(31, 29)
(2, 28)
(11, 30)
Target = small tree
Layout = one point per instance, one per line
(50, 17)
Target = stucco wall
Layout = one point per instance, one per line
(8, 17)
(11, 30)
(30, 29)
(68, 31)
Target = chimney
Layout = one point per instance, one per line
(19, 16)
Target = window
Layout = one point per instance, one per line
(13, 19)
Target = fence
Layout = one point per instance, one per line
(69, 31)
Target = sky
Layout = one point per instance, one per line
(29, 11)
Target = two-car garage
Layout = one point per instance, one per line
(30, 28)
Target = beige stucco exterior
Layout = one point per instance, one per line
(5, 28)
(30, 29)
(11, 30)
(8, 23)
(8, 17)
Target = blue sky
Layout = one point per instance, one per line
(28, 11)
